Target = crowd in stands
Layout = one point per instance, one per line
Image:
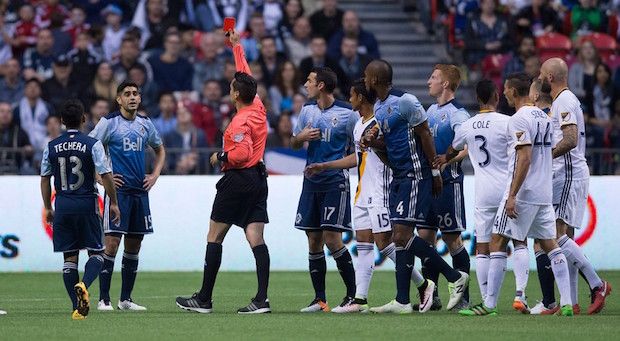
(53, 50)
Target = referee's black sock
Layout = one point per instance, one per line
(318, 268)
(261, 255)
(213, 259)
(460, 261)
(546, 278)
(345, 267)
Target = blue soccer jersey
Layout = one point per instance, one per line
(73, 159)
(443, 121)
(397, 116)
(125, 142)
(336, 124)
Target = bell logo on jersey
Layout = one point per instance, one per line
(129, 146)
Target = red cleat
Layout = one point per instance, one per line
(576, 309)
(551, 311)
(600, 295)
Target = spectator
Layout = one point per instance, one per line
(252, 40)
(270, 59)
(212, 113)
(183, 142)
(293, 9)
(37, 61)
(174, 73)
(286, 85)
(148, 90)
(113, 31)
(486, 33)
(462, 10)
(12, 85)
(92, 9)
(586, 18)
(351, 61)
(77, 23)
(166, 120)
(152, 20)
(600, 107)
(98, 109)
(47, 10)
(527, 48)
(581, 73)
(6, 52)
(188, 48)
(26, 30)
(84, 60)
(238, 9)
(532, 66)
(53, 128)
(31, 113)
(298, 103)
(12, 136)
(298, 45)
(61, 86)
(327, 20)
(103, 85)
(272, 12)
(537, 19)
(129, 57)
(211, 65)
(319, 58)
(367, 43)
(228, 75)
(62, 39)
(281, 137)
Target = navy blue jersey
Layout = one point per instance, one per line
(397, 116)
(336, 124)
(73, 158)
(125, 142)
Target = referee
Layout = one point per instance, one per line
(241, 197)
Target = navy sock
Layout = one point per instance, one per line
(430, 272)
(92, 269)
(128, 273)
(460, 261)
(545, 277)
(345, 267)
(213, 259)
(404, 264)
(105, 277)
(318, 268)
(261, 255)
(429, 255)
(71, 277)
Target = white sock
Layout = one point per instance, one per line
(482, 273)
(573, 277)
(521, 264)
(390, 252)
(574, 254)
(559, 266)
(364, 268)
(497, 269)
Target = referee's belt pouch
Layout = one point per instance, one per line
(262, 169)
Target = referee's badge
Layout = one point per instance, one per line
(238, 137)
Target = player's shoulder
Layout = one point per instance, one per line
(143, 117)
(498, 116)
(113, 115)
(339, 104)
(397, 92)
(310, 103)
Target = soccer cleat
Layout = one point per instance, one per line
(426, 296)
(565, 310)
(83, 301)
(103, 305)
(194, 304)
(358, 305)
(393, 307)
(576, 309)
(540, 309)
(2, 312)
(77, 316)
(255, 307)
(348, 305)
(316, 306)
(457, 289)
(462, 305)
(520, 304)
(600, 294)
(479, 310)
(130, 305)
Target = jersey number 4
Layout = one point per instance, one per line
(76, 169)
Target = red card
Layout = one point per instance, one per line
(229, 24)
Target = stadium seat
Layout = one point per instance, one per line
(604, 43)
(553, 45)
(493, 65)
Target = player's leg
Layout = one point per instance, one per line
(364, 267)
(429, 234)
(482, 266)
(484, 218)
(521, 269)
(344, 262)
(548, 304)
(460, 260)
(132, 243)
(317, 267)
(112, 241)
(254, 236)
(70, 275)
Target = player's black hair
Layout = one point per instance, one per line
(360, 88)
(246, 85)
(125, 84)
(485, 90)
(327, 76)
(521, 82)
(72, 112)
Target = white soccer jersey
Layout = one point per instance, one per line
(531, 126)
(374, 176)
(486, 137)
(566, 110)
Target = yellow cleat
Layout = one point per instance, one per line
(77, 316)
(83, 305)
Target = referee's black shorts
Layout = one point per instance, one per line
(241, 197)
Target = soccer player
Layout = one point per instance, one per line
(125, 135)
(241, 197)
(571, 178)
(526, 209)
(485, 135)
(324, 210)
(371, 219)
(447, 211)
(410, 152)
(73, 159)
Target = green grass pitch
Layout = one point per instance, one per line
(39, 309)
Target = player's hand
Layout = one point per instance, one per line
(149, 181)
(314, 169)
(437, 186)
(234, 37)
(309, 134)
(118, 181)
(440, 161)
(115, 213)
(511, 207)
(369, 138)
(213, 160)
(49, 215)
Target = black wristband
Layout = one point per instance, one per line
(222, 156)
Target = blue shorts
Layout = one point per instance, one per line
(447, 211)
(319, 211)
(135, 215)
(74, 232)
(410, 200)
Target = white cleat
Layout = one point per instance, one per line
(317, 305)
(130, 305)
(349, 305)
(393, 308)
(540, 309)
(457, 289)
(2, 312)
(103, 306)
(426, 296)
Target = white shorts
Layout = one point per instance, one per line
(570, 199)
(533, 221)
(484, 219)
(376, 218)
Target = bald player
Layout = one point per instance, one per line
(570, 178)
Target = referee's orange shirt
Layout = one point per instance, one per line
(246, 135)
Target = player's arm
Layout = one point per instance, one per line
(304, 132)
(568, 141)
(160, 159)
(46, 188)
(103, 172)
(428, 146)
(522, 166)
(241, 62)
(241, 149)
(346, 162)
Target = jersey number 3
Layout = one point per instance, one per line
(76, 169)
(483, 148)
